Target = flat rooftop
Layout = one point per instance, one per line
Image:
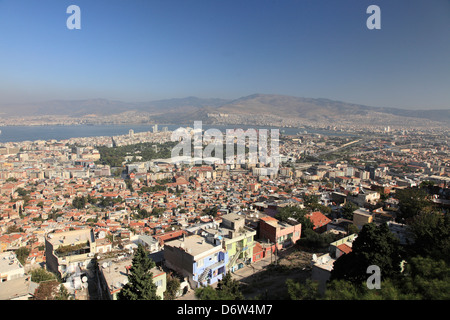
(194, 245)
(68, 237)
(9, 262)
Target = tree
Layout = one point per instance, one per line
(312, 239)
(296, 213)
(427, 278)
(431, 231)
(212, 211)
(348, 209)
(51, 290)
(13, 229)
(300, 291)
(375, 245)
(227, 289)
(22, 254)
(40, 275)
(172, 287)
(140, 284)
(422, 279)
(79, 202)
(412, 201)
(311, 202)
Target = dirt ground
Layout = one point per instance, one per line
(268, 279)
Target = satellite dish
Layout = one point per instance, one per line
(84, 279)
(105, 265)
(314, 257)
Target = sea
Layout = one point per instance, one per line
(63, 132)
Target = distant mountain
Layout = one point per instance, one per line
(183, 110)
(308, 108)
(287, 106)
(74, 108)
(77, 108)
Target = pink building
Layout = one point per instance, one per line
(281, 233)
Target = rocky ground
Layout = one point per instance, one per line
(269, 280)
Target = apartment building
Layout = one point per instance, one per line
(282, 234)
(65, 251)
(238, 241)
(202, 262)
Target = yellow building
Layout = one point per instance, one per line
(238, 241)
(361, 217)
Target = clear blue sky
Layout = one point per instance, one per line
(141, 50)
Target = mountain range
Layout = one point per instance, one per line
(194, 108)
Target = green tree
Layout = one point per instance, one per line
(62, 294)
(412, 201)
(422, 279)
(431, 232)
(302, 291)
(375, 245)
(212, 211)
(22, 254)
(39, 275)
(79, 202)
(140, 284)
(347, 210)
(157, 211)
(312, 239)
(227, 289)
(426, 279)
(207, 293)
(51, 290)
(296, 213)
(172, 287)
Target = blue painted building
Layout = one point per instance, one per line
(201, 260)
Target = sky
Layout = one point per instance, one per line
(144, 50)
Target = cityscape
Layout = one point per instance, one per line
(280, 195)
(79, 209)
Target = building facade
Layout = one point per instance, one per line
(69, 250)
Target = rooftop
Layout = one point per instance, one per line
(69, 237)
(194, 245)
(9, 262)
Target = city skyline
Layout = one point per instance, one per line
(153, 50)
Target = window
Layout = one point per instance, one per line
(159, 283)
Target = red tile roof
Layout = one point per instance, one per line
(345, 248)
(318, 219)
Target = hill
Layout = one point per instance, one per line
(319, 109)
(183, 110)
